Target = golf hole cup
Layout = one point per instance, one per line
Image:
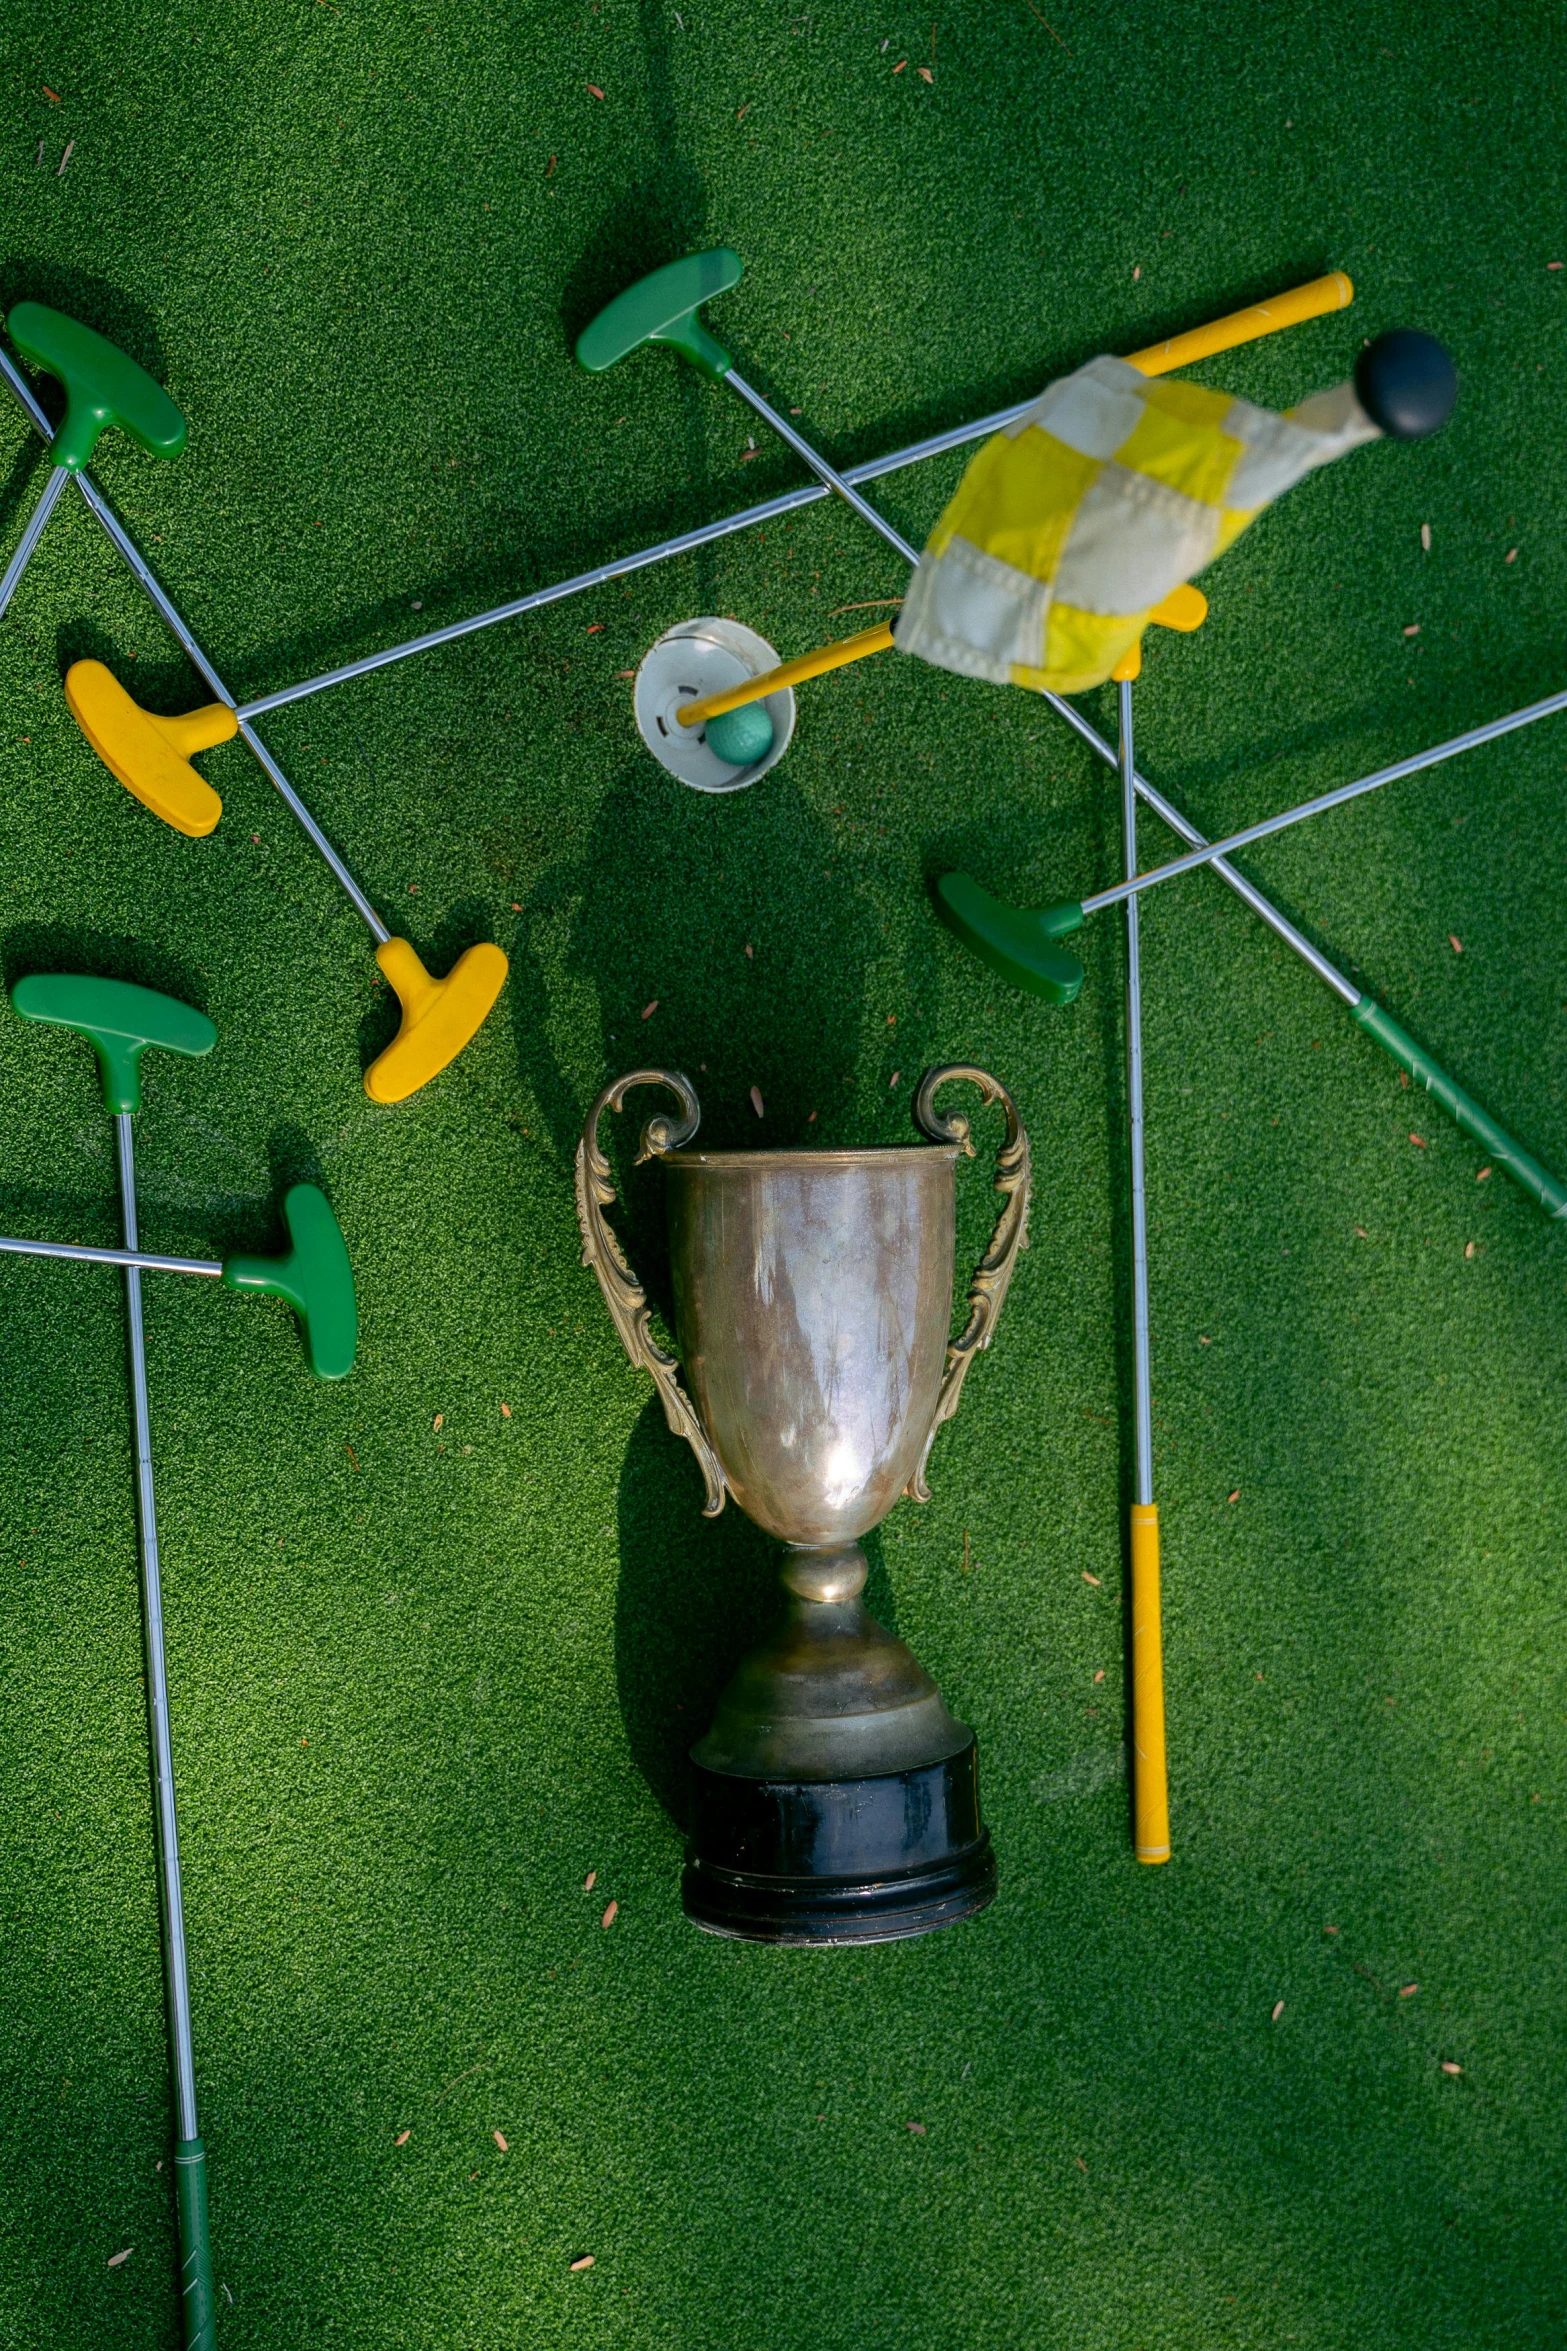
(703, 657)
(835, 1799)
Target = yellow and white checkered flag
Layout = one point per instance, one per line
(1071, 527)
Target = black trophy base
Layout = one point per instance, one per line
(837, 1861)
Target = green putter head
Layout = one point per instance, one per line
(315, 1279)
(119, 1020)
(662, 308)
(1017, 941)
(102, 387)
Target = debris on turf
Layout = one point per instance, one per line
(583, 2261)
(115, 2259)
(610, 1915)
(500, 2142)
(1278, 2010)
(402, 2138)
(590, 1881)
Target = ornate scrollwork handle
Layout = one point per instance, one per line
(993, 1275)
(623, 1293)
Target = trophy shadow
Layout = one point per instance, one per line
(694, 1595)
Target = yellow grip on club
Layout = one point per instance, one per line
(1150, 1784)
(150, 754)
(439, 1016)
(1312, 300)
(837, 655)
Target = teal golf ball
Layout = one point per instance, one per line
(743, 736)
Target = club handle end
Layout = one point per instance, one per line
(198, 2311)
(1150, 1780)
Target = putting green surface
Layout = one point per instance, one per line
(439, 1635)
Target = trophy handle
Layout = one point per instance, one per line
(623, 1293)
(987, 1291)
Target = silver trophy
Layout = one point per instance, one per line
(834, 1799)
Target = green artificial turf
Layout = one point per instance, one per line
(438, 1636)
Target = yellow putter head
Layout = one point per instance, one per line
(439, 1016)
(1184, 609)
(149, 754)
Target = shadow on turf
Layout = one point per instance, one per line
(759, 973)
(67, 947)
(168, 685)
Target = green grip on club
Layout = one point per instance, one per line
(661, 308)
(315, 1279)
(119, 1020)
(197, 2308)
(1016, 941)
(1519, 1163)
(102, 386)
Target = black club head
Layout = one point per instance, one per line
(1406, 383)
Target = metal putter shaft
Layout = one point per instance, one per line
(1241, 326)
(1150, 1787)
(439, 1016)
(102, 388)
(122, 1022)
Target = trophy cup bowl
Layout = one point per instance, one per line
(834, 1799)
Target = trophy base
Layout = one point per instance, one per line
(838, 1861)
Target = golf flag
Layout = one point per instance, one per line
(1073, 525)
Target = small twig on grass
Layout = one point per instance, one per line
(1049, 27)
(871, 604)
(483, 2066)
(66, 157)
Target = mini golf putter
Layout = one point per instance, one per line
(121, 1022)
(662, 308)
(103, 389)
(149, 755)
